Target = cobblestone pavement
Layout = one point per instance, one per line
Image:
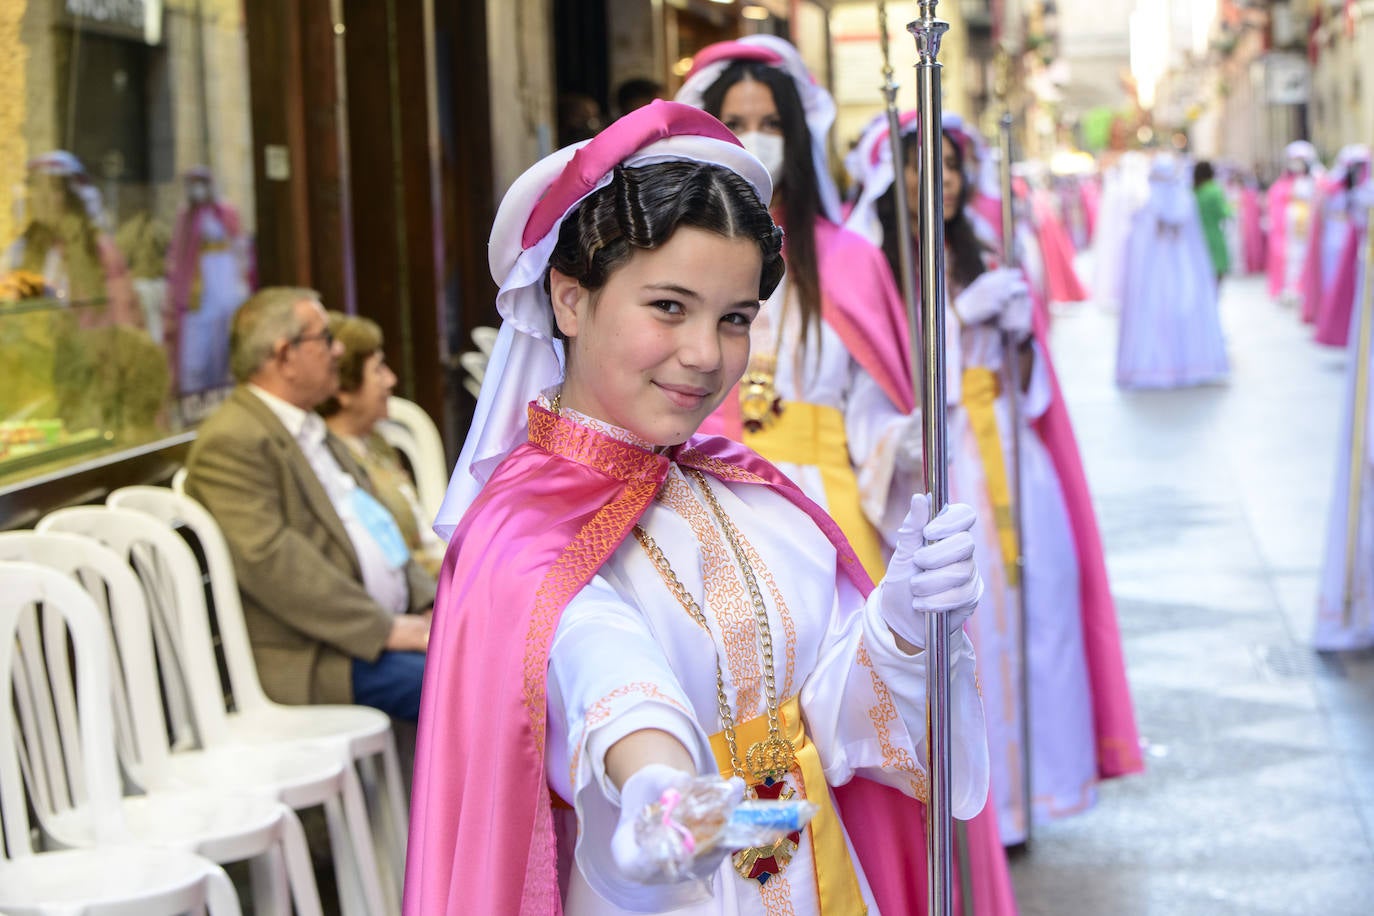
(1259, 791)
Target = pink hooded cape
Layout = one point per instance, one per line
(860, 302)
(1118, 741)
(1279, 193)
(482, 836)
(1333, 319)
(1060, 277)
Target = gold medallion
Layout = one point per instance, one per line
(759, 403)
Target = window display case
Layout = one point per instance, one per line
(125, 165)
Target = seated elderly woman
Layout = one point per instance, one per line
(365, 384)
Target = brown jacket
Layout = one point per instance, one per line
(307, 612)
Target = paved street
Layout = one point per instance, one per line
(1259, 791)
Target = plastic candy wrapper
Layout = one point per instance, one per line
(705, 815)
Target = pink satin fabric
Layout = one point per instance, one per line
(622, 138)
(1061, 280)
(1333, 319)
(1279, 194)
(482, 837)
(1118, 741)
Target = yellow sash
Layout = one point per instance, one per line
(980, 395)
(813, 435)
(837, 885)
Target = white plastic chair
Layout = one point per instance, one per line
(254, 718)
(116, 878)
(411, 431)
(297, 774)
(211, 823)
(179, 480)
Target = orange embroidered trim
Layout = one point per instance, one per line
(565, 437)
(882, 715)
(777, 894)
(725, 596)
(692, 458)
(600, 711)
(789, 626)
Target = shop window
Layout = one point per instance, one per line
(126, 220)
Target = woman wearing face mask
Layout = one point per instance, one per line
(625, 604)
(828, 395)
(1082, 727)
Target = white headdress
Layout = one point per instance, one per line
(527, 358)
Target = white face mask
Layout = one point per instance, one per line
(768, 149)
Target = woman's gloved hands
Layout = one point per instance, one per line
(988, 297)
(931, 571)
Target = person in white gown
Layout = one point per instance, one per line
(1170, 334)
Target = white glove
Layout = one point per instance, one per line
(987, 297)
(931, 571)
(654, 861)
(1016, 316)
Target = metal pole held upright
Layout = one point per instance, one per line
(928, 31)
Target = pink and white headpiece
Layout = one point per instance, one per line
(527, 359)
(713, 60)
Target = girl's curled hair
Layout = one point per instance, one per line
(644, 205)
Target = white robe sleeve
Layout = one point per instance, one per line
(608, 678)
(885, 445)
(865, 708)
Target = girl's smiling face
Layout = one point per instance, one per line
(659, 346)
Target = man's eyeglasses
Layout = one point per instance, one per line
(326, 335)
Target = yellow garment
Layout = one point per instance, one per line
(837, 884)
(813, 435)
(980, 387)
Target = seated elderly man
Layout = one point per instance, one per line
(336, 610)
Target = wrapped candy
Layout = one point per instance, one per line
(705, 815)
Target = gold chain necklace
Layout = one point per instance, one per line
(765, 762)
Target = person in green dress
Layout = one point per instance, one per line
(1213, 209)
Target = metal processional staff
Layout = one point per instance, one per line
(930, 342)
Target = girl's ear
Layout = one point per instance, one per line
(569, 296)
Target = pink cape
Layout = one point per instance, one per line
(1333, 319)
(482, 837)
(1311, 282)
(1061, 280)
(860, 302)
(1279, 193)
(1092, 198)
(1118, 741)
(1252, 235)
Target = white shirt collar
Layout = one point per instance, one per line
(304, 425)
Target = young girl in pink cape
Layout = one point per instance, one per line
(625, 604)
(1289, 205)
(1082, 723)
